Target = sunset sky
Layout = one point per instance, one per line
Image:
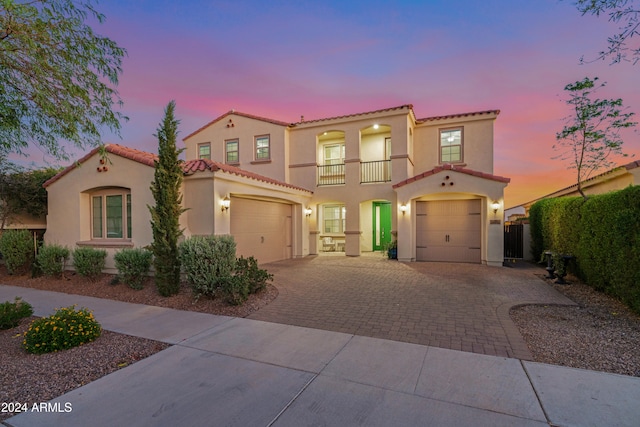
(284, 59)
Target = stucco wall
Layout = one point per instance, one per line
(477, 143)
(245, 130)
(69, 216)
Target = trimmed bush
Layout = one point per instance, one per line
(12, 312)
(17, 250)
(133, 266)
(52, 259)
(208, 262)
(66, 328)
(89, 262)
(255, 277)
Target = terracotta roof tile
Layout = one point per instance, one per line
(237, 113)
(384, 110)
(454, 116)
(455, 169)
(120, 150)
(192, 166)
(189, 167)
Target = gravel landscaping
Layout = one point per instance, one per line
(599, 334)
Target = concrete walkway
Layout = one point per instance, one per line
(224, 371)
(454, 306)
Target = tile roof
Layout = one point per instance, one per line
(189, 167)
(346, 116)
(452, 168)
(237, 113)
(120, 150)
(455, 116)
(587, 182)
(192, 166)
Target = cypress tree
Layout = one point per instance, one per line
(166, 213)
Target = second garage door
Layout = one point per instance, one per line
(448, 230)
(261, 229)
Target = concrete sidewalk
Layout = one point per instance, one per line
(240, 372)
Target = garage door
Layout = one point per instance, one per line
(448, 230)
(261, 229)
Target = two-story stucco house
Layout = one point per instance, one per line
(342, 184)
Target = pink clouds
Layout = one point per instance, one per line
(284, 60)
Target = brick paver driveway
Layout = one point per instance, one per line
(456, 306)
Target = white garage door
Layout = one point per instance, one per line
(448, 230)
(261, 229)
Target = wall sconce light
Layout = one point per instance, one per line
(307, 212)
(403, 209)
(225, 203)
(495, 205)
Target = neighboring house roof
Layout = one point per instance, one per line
(451, 168)
(189, 167)
(238, 113)
(455, 116)
(611, 173)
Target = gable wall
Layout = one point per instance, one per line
(245, 130)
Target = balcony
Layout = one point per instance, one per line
(378, 171)
(331, 174)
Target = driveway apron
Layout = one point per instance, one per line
(454, 306)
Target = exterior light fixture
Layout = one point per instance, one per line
(225, 203)
(495, 205)
(307, 212)
(403, 209)
(376, 126)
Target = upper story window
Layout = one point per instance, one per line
(204, 151)
(334, 154)
(451, 145)
(111, 214)
(263, 150)
(232, 154)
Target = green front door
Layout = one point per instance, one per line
(381, 225)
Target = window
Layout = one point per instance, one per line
(334, 154)
(231, 151)
(204, 151)
(111, 215)
(334, 218)
(262, 148)
(451, 145)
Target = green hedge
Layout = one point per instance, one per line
(603, 233)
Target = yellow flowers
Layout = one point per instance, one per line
(67, 328)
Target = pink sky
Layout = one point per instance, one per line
(283, 59)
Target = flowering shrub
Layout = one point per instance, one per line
(133, 266)
(66, 328)
(12, 312)
(52, 259)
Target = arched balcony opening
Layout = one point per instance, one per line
(331, 154)
(375, 154)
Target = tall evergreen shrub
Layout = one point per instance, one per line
(166, 213)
